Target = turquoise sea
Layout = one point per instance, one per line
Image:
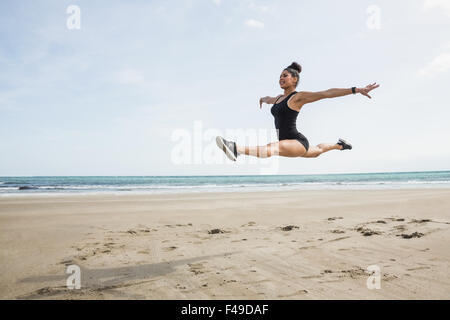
(182, 184)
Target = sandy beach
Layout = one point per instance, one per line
(253, 245)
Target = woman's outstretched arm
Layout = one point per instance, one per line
(304, 97)
(268, 100)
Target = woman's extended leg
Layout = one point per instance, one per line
(284, 148)
(315, 151)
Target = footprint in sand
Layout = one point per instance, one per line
(196, 268)
(352, 273)
(136, 232)
(337, 231)
(367, 232)
(289, 228)
(400, 227)
(67, 262)
(239, 240)
(178, 225)
(334, 218)
(109, 244)
(400, 230)
(216, 231)
(420, 221)
(355, 273)
(395, 219)
(307, 247)
(170, 248)
(389, 277)
(412, 235)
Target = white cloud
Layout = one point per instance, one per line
(438, 65)
(254, 24)
(217, 2)
(440, 4)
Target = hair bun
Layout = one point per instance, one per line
(294, 65)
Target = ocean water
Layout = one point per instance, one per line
(183, 184)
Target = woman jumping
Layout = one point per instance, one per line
(285, 110)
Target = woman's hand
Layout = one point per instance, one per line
(261, 101)
(365, 91)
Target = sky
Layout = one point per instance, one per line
(143, 87)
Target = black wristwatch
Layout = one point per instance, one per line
(353, 90)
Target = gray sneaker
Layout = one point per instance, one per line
(229, 147)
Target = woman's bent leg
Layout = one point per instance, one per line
(316, 151)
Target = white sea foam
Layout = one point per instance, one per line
(194, 189)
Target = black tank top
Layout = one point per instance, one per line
(285, 119)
